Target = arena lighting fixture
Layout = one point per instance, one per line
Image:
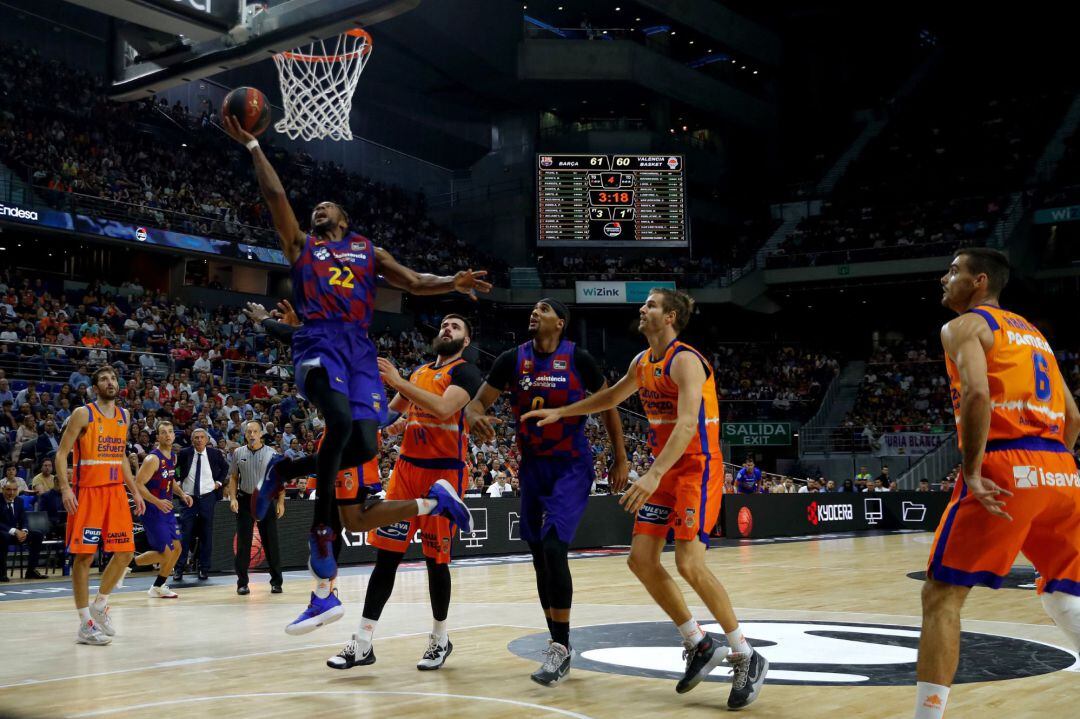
(691, 42)
(755, 72)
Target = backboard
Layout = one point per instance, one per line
(158, 44)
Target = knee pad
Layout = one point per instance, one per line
(1064, 609)
(560, 583)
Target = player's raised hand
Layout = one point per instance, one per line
(234, 130)
(483, 427)
(389, 373)
(988, 493)
(639, 491)
(543, 417)
(286, 313)
(256, 312)
(469, 283)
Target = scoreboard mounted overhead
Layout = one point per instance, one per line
(611, 201)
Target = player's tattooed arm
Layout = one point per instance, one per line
(467, 282)
(76, 423)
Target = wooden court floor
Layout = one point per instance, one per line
(213, 653)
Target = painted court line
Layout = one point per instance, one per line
(354, 692)
(208, 660)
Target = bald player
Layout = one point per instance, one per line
(1019, 489)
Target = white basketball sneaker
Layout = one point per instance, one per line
(89, 633)
(162, 592)
(102, 620)
(435, 654)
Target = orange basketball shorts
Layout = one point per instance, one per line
(972, 546)
(408, 481)
(352, 487)
(687, 502)
(102, 519)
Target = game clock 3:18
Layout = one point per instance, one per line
(603, 197)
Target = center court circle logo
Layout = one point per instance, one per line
(804, 652)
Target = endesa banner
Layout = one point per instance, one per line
(613, 293)
(139, 234)
(792, 515)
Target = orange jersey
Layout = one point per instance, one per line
(660, 398)
(99, 451)
(430, 437)
(1027, 393)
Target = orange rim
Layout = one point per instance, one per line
(355, 32)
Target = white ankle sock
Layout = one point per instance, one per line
(737, 641)
(425, 506)
(930, 701)
(439, 630)
(84, 614)
(322, 588)
(691, 632)
(365, 633)
(101, 601)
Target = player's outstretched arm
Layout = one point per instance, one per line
(466, 282)
(607, 398)
(620, 466)
(442, 406)
(288, 229)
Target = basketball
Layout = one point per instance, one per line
(250, 108)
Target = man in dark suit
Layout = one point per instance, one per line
(13, 531)
(201, 471)
(47, 442)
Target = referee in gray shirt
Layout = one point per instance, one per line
(247, 468)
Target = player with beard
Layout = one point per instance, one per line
(680, 494)
(97, 506)
(434, 448)
(334, 273)
(556, 472)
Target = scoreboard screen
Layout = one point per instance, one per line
(611, 201)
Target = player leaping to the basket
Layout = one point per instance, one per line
(333, 276)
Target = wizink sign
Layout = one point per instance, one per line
(11, 212)
(613, 293)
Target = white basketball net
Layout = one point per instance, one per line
(317, 85)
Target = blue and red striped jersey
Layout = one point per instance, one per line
(544, 381)
(160, 484)
(335, 280)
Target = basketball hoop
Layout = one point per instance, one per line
(317, 85)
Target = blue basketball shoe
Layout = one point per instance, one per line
(449, 505)
(318, 612)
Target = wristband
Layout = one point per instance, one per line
(251, 144)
